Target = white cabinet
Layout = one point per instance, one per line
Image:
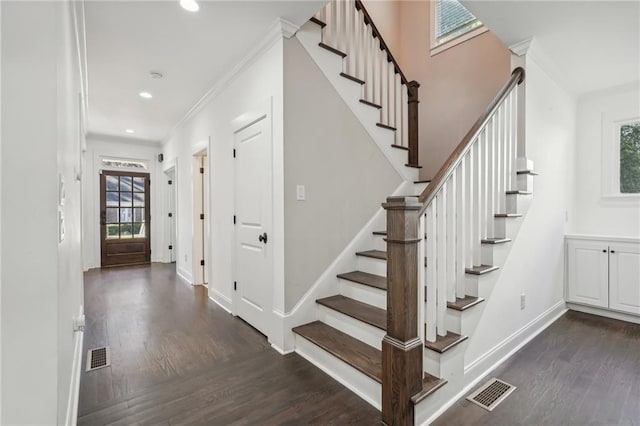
(624, 277)
(604, 273)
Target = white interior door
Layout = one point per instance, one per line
(171, 214)
(254, 256)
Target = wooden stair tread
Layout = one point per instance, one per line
(430, 384)
(361, 311)
(352, 78)
(371, 104)
(444, 343)
(415, 166)
(318, 22)
(359, 355)
(519, 192)
(496, 240)
(464, 303)
(379, 232)
(422, 181)
(481, 270)
(375, 254)
(365, 278)
(385, 126)
(332, 49)
(400, 147)
(507, 215)
(527, 172)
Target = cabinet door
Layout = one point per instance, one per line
(587, 273)
(624, 277)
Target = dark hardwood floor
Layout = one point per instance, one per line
(582, 370)
(178, 358)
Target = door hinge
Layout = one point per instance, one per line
(201, 216)
(170, 247)
(170, 182)
(235, 285)
(234, 153)
(202, 263)
(149, 182)
(234, 219)
(170, 214)
(202, 170)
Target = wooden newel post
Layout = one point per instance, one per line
(401, 346)
(412, 92)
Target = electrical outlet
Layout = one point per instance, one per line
(523, 301)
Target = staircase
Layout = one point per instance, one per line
(397, 330)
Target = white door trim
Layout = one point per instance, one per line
(172, 169)
(197, 253)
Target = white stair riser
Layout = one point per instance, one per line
(419, 187)
(495, 254)
(518, 203)
(447, 365)
(379, 243)
(525, 182)
(507, 227)
(481, 285)
(372, 266)
(357, 329)
(359, 383)
(464, 322)
(364, 293)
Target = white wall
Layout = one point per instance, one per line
(41, 278)
(121, 148)
(256, 82)
(594, 214)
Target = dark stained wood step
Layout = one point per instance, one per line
(379, 232)
(444, 343)
(422, 181)
(318, 22)
(362, 357)
(352, 78)
(481, 270)
(361, 311)
(507, 215)
(519, 192)
(400, 147)
(332, 50)
(464, 303)
(415, 166)
(430, 384)
(495, 240)
(527, 172)
(376, 254)
(385, 126)
(371, 104)
(365, 278)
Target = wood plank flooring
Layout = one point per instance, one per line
(178, 358)
(582, 370)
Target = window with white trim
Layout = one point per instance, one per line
(628, 138)
(621, 155)
(452, 24)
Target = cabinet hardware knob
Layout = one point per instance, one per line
(613, 251)
(604, 251)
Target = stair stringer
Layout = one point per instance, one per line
(331, 65)
(464, 374)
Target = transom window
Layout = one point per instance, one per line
(125, 204)
(629, 138)
(114, 163)
(452, 24)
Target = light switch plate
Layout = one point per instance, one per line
(300, 193)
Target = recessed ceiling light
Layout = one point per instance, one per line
(146, 95)
(129, 131)
(190, 5)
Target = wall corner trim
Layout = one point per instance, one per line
(279, 29)
(521, 48)
(71, 418)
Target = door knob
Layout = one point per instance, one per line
(263, 238)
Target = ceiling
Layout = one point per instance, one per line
(128, 39)
(592, 44)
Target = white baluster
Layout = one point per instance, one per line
(358, 45)
(441, 259)
(391, 85)
(500, 166)
(490, 178)
(377, 76)
(469, 207)
(333, 24)
(404, 100)
(475, 210)
(348, 36)
(461, 210)
(368, 65)
(342, 17)
(509, 133)
(451, 237)
(398, 122)
(514, 139)
(482, 212)
(431, 312)
(422, 279)
(384, 87)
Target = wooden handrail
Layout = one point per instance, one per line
(517, 77)
(383, 45)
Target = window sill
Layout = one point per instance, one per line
(439, 48)
(620, 199)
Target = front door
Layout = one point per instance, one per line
(124, 218)
(254, 255)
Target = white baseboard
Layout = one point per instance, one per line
(281, 351)
(604, 313)
(184, 274)
(74, 387)
(492, 359)
(221, 300)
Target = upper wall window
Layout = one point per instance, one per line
(452, 24)
(629, 140)
(114, 163)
